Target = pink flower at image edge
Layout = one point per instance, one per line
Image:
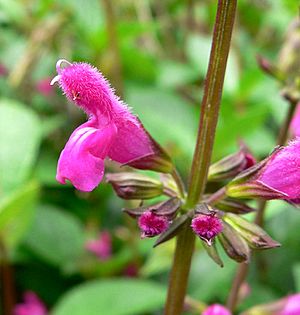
(216, 309)
(32, 305)
(111, 130)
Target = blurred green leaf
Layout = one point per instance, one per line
(296, 271)
(159, 260)
(112, 297)
(17, 213)
(160, 110)
(20, 133)
(56, 236)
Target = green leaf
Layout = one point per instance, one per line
(17, 213)
(296, 272)
(112, 297)
(56, 236)
(20, 132)
(160, 110)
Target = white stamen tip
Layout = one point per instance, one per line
(55, 80)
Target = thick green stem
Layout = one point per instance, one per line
(203, 151)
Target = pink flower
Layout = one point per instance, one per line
(207, 226)
(291, 305)
(3, 70)
(295, 124)
(282, 172)
(43, 87)
(101, 247)
(111, 131)
(32, 305)
(152, 224)
(278, 177)
(216, 309)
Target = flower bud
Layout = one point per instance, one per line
(234, 246)
(216, 309)
(234, 206)
(152, 224)
(277, 177)
(207, 226)
(231, 165)
(255, 236)
(135, 185)
(289, 305)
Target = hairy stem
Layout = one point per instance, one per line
(242, 269)
(203, 151)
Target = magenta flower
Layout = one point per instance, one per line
(291, 305)
(207, 226)
(101, 247)
(152, 224)
(43, 87)
(277, 178)
(295, 124)
(111, 131)
(216, 309)
(32, 305)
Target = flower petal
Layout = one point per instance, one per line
(81, 161)
(132, 142)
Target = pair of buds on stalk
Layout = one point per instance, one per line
(215, 217)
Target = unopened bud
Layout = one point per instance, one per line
(255, 236)
(135, 185)
(234, 246)
(231, 165)
(234, 206)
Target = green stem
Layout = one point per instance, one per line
(203, 151)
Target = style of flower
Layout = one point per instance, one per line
(101, 247)
(111, 130)
(152, 224)
(216, 309)
(32, 305)
(207, 226)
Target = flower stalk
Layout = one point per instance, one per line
(203, 151)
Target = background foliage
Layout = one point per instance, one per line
(155, 53)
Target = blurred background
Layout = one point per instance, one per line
(77, 251)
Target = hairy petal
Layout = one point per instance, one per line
(82, 160)
(132, 142)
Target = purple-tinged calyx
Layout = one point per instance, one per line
(111, 131)
(231, 165)
(207, 226)
(152, 224)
